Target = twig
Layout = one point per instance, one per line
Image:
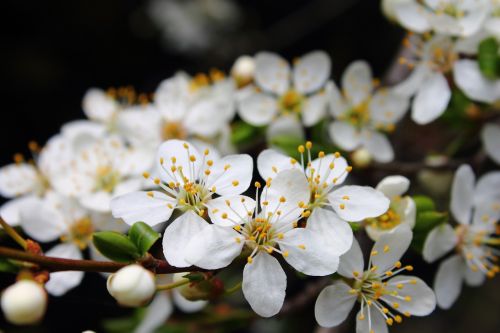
(13, 234)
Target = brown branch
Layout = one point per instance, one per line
(54, 264)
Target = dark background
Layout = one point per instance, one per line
(53, 51)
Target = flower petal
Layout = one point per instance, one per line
(264, 284)
(11, 210)
(378, 146)
(393, 186)
(352, 262)
(422, 300)
(185, 305)
(474, 278)
(439, 241)
(409, 86)
(390, 247)
(473, 83)
(17, 179)
(149, 207)
(214, 247)
(373, 321)
(229, 211)
(42, 221)
(272, 72)
(431, 100)
(62, 282)
(231, 174)
(204, 118)
(270, 162)
(177, 236)
(357, 82)
(355, 203)
(462, 194)
(157, 313)
(329, 168)
(311, 72)
(314, 109)
(490, 135)
(448, 281)
(334, 304)
(387, 107)
(307, 253)
(175, 151)
(98, 105)
(336, 101)
(258, 109)
(344, 135)
(412, 16)
(172, 97)
(335, 232)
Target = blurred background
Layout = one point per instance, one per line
(53, 51)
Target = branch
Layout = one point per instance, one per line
(60, 264)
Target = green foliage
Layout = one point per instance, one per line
(243, 133)
(143, 236)
(7, 267)
(488, 58)
(427, 218)
(116, 246)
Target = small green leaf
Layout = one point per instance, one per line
(429, 219)
(243, 133)
(7, 267)
(194, 277)
(115, 246)
(143, 236)
(356, 226)
(423, 203)
(488, 57)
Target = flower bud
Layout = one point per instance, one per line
(243, 70)
(361, 158)
(24, 302)
(207, 288)
(132, 285)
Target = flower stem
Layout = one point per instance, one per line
(172, 285)
(13, 234)
(233, 289)
(60, 264)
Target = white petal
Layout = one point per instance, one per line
(98, 201)
(334, 304)
(393, 186)
(390, 247)
(42, 221)
(422, 299)
(258, 109)
(377, 145)
(357, 82)
(157, 313)
(439, 241)
(17, 179)
(373, 321)
(335, 232)
(462, 194)
(264, 284)
(11, 210)
(141, 126)
(272, 72)
(81, 133)
(352, 262)
(409, 86)
(412, 16)
(307, 253)
(177, 237)
(490, 135)
(172, 97)
(473, 83)
(344, 135)
(214, 247)
(387, 107)
(474, 279)
(337, 103)
(408, 211)
(62, 282)
(175, 150)
(204, 118)
(473, 22)
(141, 206)
(355, 203)
(293, 186)
(270, 162)
(231, 174)
(314, 109)
(285, 125)
(230, 210)
(311, 71)
(448, 281)
(99, 106)
(322, 168)
(185, 305)
(431, 100)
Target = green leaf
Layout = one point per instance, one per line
(194, 277)
(428, 220)
(7, 267)
(356, 226)
(488, 57)
(423, 203)
(115, 246)
(143, 236)
(288, 144)
(243, 133)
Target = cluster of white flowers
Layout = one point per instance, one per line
(167, 160)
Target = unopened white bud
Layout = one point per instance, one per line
(24, 302)
(361, 158)
(243, 69)
(132, 285)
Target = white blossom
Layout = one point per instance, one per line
(24, 302)
(132, 285)
(490, 135)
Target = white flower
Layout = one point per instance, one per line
(283, 91)
(383, 295)
(100, 106)
(434, 59)
(476, 208)
(132, 285)
(324, 177)
(361, 113)
(490, 135)
(238, 224)
(473, 83)
(189, 181)
(448, 17)
(402, 209)
(243, 70)
(24, 302)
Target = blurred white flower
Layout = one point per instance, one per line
(132, 285)
(238, 224)
(361, 112)
(457, 18)
(24, 302)
(490, 135)
(476, 208)
(189, 181)
(282, 91)
(402, 209)
(468, 77)
(243, 70)
(383, 295)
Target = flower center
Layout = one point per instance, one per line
(442, 56)
(291, 102)
(387, 221)
(80, 233)
(450, 9)
(359, 115)
(173, 130)
(107, 179)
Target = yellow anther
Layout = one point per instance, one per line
(395, 305)
(207, 172)
(226, 167)
(161, 160)
(409, 268)
(374, 253)
(301, 149)
(224, 215)
(301, 246)
(249, 260)
(369, 302)
(309, 144)
(237, 228)
(213, 189)
(408, 298)
(374, 268)
(235, 183)
(156, 181)
(361, 317)
(301, 204)
(238, 240)
(335, 180)
(275, 169)
(182, 201)
(331, 166)
(389, 273)
(385, 310)
(201, 212)
(345, 197)
(398, 319)
(285, 254)
(145, 175)
(337, 154)
(169, 205)
(306, 213)
(265, 203)
(376, 285)
(321, 154)
(268, 182)
(282, 199)
(210, 163)
(171, 184)
(399, 286)
(397, 264)
(355, 274)
(206, 152)
(150, 194)
(192, 158)
(173, 168)
(342, 206)
(353, 291)
(270, 250)
(386, 248)
(413, 281)
(173, 159)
